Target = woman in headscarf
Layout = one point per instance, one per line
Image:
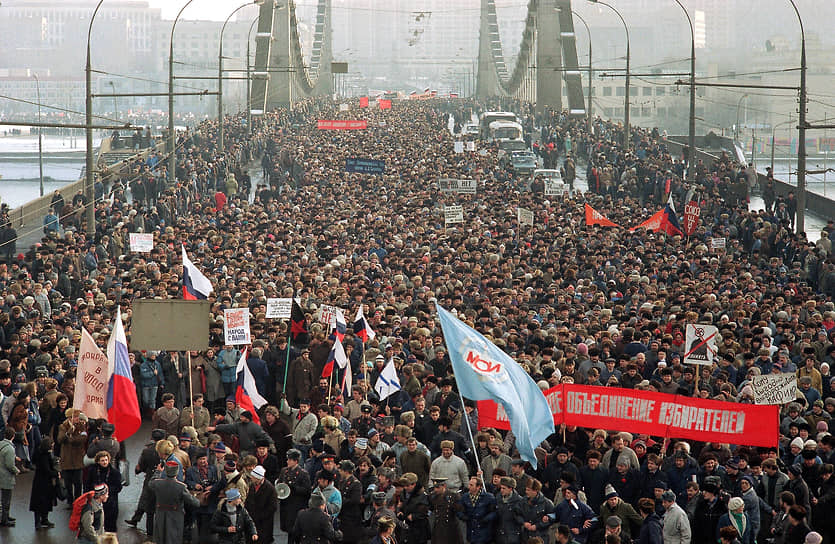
(102, 472)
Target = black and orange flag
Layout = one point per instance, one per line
(594, 217)
(298, 325)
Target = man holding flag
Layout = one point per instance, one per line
(484, 372)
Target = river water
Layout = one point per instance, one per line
(63, 161)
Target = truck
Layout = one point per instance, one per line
(488, 117)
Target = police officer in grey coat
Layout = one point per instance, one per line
(171, 497)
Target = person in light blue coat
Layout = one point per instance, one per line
(227, 362)
(150, 379)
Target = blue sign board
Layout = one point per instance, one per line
(364, 166)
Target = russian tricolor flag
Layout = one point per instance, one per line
(246, 394)
(361, 327)
(122, 404)
(196, 286)
(337, 355)
(341, 327)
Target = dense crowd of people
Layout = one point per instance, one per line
(569, 302)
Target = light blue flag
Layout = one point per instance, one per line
(484, 372)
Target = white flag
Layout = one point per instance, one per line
(387, 383)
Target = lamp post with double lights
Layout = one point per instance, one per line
(626, 137)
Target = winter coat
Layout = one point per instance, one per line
(416, 505)
(746, 536)
(350, 515)
(575, 518)
(652, 531)
(533, 510)
(313, 526)
(262, 504)
(8, 470)
(630, 519)
(418, 463)
(43, 496)
(244, 526)
(73, 445)
(479, 516)
(214, 386)
(706, 519)
(509, 519)
(444, 523)
(676, 526)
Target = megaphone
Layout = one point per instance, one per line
(283, 491)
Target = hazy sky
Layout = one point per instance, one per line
(199, 9)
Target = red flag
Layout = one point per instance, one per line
(385, 104)
(594, 217)
(664, 220)
(692, 211)
(363, 101)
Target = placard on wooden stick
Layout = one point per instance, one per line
(170, 325)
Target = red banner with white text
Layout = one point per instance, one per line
(656, 414)
(325, 124)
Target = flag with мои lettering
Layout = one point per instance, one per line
(484, 372)
(122, 403)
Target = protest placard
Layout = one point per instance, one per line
(774, 388)
(458, 147)
(453, 215)
(524, 216)
(463, 186)
(279, 308)
(141, 242)
(236, 326)
(364, 166)
(700, 344)
(717, 243)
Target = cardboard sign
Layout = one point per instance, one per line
(458, 147)
(700, 344)
(470, 146)
(236, 326)
(775, 388)
(279, 308)
(692, 212)
(524, 216)
(717, 243)
(141, 242)
(327, 315)
(325, 124)
(365, 166)
(555, 188)
(451, 185)
(453, 215)
(656, 414)
(343, 107)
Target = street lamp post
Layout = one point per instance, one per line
(691, 129)
(172, 140)
(249, 77)
(220, 73)
(736, 126)
(588, 108)
(40, 131)
(801, 131)
(773, 130)
(626, 137)
(90, 212)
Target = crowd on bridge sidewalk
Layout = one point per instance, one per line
(569, 302)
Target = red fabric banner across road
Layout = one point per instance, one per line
(656, 414)
(324, 124)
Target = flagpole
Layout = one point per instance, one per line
(364, 368)
(472, 441)
(289, 341)
(190, 388)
